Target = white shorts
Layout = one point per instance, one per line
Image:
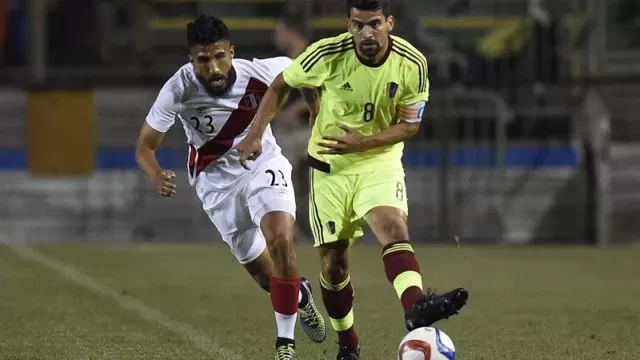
(237, 215)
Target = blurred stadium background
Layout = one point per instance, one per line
(531, 137)
(531, 134)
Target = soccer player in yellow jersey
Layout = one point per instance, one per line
(373, 88)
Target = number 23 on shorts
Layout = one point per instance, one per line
(276, 177)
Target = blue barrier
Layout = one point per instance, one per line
(479, 157)
(476, 157)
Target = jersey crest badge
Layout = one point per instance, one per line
(252, 100)
(392, 88)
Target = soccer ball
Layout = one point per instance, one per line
(426, 343)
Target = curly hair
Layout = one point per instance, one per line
(205, 30)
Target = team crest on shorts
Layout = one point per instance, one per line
(392, 88)
(332, 227)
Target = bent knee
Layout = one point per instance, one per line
(335, 274)
(389, 228)
(396, 230)
(334, 268)
(281, 247)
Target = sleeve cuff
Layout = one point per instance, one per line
(157, 126)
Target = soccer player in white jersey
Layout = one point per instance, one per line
(215, 97)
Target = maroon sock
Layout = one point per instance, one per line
(399, 258)
(284, 295)
(338, 300)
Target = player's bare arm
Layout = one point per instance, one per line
(149, 141)
(312, 100)
(251, 147)
(351, 141)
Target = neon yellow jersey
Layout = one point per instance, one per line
(361, 96)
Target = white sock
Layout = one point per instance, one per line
(286, 325)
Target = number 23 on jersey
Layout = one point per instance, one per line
(203, 124)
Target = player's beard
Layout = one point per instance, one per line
(218, 84)
(370, 49)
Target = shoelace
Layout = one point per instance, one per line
(285, 352)
(308, 315)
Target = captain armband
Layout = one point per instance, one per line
(412, 113)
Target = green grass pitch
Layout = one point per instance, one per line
(192, 301)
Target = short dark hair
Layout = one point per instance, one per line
(370, 5)
(205, 30)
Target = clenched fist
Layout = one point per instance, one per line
(249, 148)
(164, 184)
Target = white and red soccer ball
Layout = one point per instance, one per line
(426, 343)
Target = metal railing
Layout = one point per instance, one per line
(426, 22)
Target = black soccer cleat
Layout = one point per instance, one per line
(435, 307)
(348, 353)
(311, 319)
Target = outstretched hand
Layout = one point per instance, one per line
(349, 142)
